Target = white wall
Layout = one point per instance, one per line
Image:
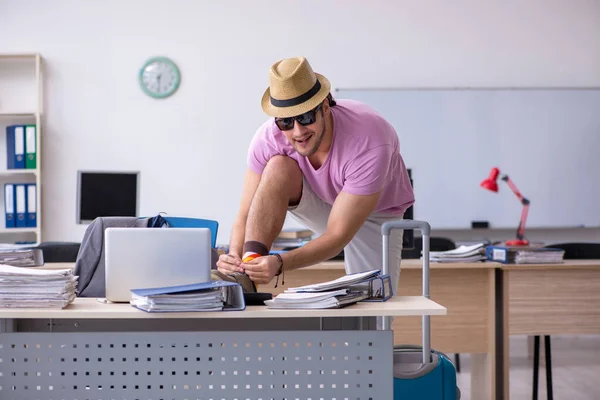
(191, 148)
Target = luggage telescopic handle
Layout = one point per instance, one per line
(425, 229)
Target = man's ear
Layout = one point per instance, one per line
(326, 109)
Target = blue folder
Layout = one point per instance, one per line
(31, 208)
(15, 147)
(20, 206)
(235, 298)
(379, 288)
(9, 205)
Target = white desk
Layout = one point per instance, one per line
(246, 362)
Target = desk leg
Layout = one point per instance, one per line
(501, 341)
(483, 367)
(482, 376)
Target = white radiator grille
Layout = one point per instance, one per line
(280, 365)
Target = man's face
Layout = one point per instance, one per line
(307, 139)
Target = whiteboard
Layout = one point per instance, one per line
(546, 140)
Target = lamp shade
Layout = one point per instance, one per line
(491, 182)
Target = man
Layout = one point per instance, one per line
(334, 165)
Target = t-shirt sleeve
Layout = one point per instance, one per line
(368, 172)
(261, 150)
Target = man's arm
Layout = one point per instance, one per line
(238, 230)
(347, 215)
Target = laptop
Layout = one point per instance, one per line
(139, 258)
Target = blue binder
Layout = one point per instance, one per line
(379, 288)
(234, 299)
(9, 205)
(20, 206)
(31, 205)
(15, 147)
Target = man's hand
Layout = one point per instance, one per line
(262, 269)
(229, 263)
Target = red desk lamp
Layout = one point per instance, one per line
(491, 184)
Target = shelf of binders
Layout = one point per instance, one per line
(17, 115)
(21, 110)
(19, 230)
(10, 172)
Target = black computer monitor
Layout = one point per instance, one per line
(408, 238)
(106, 194)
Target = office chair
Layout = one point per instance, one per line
(573, 251)
(435, 244)
(59, 252)
(184, 222)
(579, 251)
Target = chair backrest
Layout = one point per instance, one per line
(435, 244)
(59, 252)
(581, 251)
(184, 222)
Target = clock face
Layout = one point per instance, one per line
(159, 77)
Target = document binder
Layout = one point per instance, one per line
(30, 147)
(377, 288)
(9, 205)
(20, 206)
(181, 298)
(524, 255)
(15, 147)
(31, 205)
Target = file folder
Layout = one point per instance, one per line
(524, 255)
(31, 205)
(20, 206)
(377, 288)
(15, 147)
(30, 147)
(9, 205)
(233, 294)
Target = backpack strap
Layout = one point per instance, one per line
(157, 222)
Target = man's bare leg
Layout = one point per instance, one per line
(280, 186)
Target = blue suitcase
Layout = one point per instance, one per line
(419, 372)
(415, 380)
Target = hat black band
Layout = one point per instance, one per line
(297, 100)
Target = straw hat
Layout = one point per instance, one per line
(294, 88)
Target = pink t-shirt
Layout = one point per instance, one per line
(364, 158)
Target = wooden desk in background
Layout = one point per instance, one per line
(467, 292)
(548, 299)
(485, 302)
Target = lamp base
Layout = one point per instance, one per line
(517, 242)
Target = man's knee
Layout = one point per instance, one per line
(284, 171)
(282, 167)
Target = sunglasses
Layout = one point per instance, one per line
(309, 117)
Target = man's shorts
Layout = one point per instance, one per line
(364, 252)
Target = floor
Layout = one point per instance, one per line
(575, 369)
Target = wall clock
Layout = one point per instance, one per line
(159, 77)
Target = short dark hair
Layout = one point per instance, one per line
(331, 100)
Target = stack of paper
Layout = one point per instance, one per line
(333, 294)
(539, 256)
(328, 299)
(22, 257)
(207, 296)
(32, 288)
(525, 255)
(342, 282)
(471, 253)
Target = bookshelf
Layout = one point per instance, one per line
(21, 103)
